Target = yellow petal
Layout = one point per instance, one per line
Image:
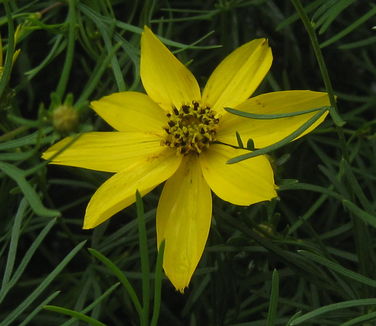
(166, 80)
(119, 191)
(238, 75)
(105, 151)
(267, 132)
(130, 111)
(243, 183)
(183, 221)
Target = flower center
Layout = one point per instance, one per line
(191, 128)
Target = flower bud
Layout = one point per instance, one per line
(65, 118)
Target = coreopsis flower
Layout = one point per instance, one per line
(175, 133)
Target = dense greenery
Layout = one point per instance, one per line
(306, 258)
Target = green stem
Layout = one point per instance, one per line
(158, 285)
(144, 255)
(324, 73)
(316, 48)
(71, 20)
(359, 226)
(13, 133)
(95, 77)
(10, 50)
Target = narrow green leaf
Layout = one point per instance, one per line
(16, 229)
(323, 69)
(280, 143)
(239, 140)
(338, 121)
(358, 44)
(158, 285)
(293, 317)
(250, 144)
(30, 194)
(17, 156)
(361, 319)
(339, 269)
(107, 34)
(94, 303)
(55, 50)
(308, 214)
(332, 307)
(27, 258)
(330, 15)
(7, 68)
(289, 20)
(322, 10)
(71, 21)
(23, 122)
(273, 302)
(369, 14)
(274, 116)
(334, 180)
(99, 70)
(288, 257)
(196, 294)
(30, 316)
(356, 187)
(144, 256)
(122, 278)
(27, 140)
(311, 187)
(366, 217)
(17, 312)
(75, 314)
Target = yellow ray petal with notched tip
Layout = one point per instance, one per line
(119, 191)
(166, 80)
(238, 75)
(104, 151)
(130, 111)
(183, 221)
(268, 132)
(244, 183)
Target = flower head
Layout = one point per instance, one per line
(176, 133)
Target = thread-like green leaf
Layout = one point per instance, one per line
(17, 312)
(94, 303)
(30, 194)
(361, 319)
(158, 285)
(144, 256)
(274, 116)
(273, 301)
(369, 14)
(362, 214)
(339, 269)
(16, 230)
(121, 276)
(332, 307)
(75, 314)
(280, 143)
(36, 310)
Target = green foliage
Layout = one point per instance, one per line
(307, 258)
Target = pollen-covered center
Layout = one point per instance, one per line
(191, 128)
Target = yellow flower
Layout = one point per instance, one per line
(174, 133)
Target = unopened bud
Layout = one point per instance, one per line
(65, 118)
